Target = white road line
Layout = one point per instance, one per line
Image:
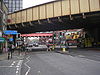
(19, 63)
(27, 65)
(39, 72)
(19, 66)
(7, 66)
(12, 63)
(81, 56)
(16, 71)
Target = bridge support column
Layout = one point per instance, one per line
(93, 35)
(97, 36)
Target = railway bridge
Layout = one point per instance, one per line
(58, 15)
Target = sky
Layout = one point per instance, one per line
(29, 3)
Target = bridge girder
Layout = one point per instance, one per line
(86, 20)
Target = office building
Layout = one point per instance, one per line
(3, 23)
(13, 5)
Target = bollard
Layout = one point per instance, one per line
(64, 49)
(53, 47)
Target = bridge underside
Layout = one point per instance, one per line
(87, 21)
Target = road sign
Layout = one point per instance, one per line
(8, 32)
(2, 39)
(11, 39)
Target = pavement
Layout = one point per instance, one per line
(3, 56)
(93, 54)
(15, 55)
(13, 65)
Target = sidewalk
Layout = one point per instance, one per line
(96, 49)
(18, 56)
(15, 56)
(3, 56)
(68, 51)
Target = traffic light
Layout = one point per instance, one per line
(54, 36)
(60, 34)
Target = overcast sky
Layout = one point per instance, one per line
(29, 3)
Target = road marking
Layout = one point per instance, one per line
(16, 71)
(19, 66)
(81, 56)
(7, 66)
(39, 72)
(71, 56)
(27, 65)
(19, 63)
(12, 63)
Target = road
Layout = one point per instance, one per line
(11, 66)
(77, 62)
(51, 63)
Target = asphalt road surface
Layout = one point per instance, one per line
(10, 67)
(51, 63)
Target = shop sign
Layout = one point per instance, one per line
(11, 39)
(2, 39)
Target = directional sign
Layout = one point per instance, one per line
(2, 39)
(7, 32)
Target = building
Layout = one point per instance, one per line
(3, 16)
(3, 23)
(13, 5)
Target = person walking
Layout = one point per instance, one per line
(13, 47)
(48, 46)
(10, 51)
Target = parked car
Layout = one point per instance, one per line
(35, 44)
(29, 47)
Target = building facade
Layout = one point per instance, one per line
(3, 16)
(13, 5)
(3, 23)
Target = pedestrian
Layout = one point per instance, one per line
(66, 45)
(26, 49)
(23, 47)
(48, 47)
(13, 47)
(10, 51)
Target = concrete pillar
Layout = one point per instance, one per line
(96, 34)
